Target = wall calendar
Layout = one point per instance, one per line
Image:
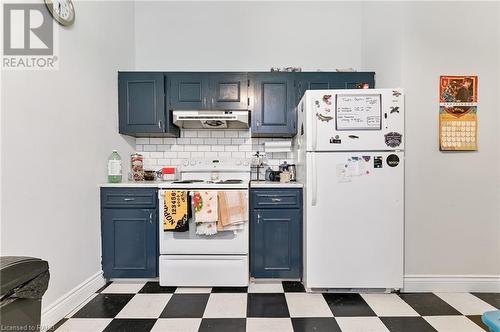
(458, 113)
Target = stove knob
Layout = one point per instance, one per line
(185, 163)
(238, 162)
(193, 162)
(246, 163)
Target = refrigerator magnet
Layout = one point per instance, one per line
(393, 139)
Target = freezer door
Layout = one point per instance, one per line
(355, 120)
(354, 220)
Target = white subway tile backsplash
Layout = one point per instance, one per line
(210, 141)
(237, 141)
(208, 144)
(230, 133)
(218, 148)
(177, 147)
(197, 141)
(204, 148)
(155, 140)
(142, 140)
(186, 155)
(189, 133)
(224, 141)
(170, 154)
(238, 154)
(183, 141)
(169, 140)
(156, 155)
(205, 133)
(217, 133)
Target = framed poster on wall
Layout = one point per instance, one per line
(458, 113)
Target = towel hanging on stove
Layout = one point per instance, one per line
(233, 210)
(205, 207)
(176, 211)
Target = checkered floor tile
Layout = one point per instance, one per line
(277, 307)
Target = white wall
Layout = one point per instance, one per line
(247, 36)
(58, 129)
(452, 210)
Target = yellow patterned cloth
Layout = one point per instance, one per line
(176, 211)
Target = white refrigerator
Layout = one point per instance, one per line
(350, 157)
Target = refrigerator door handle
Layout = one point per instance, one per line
(314, 173)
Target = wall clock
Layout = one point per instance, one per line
(62, 11)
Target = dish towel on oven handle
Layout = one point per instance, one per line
(176, 212)
(205, 205)
(233, 210)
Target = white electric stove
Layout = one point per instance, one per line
(188, 259)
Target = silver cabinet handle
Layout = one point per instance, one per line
(258, 218)
(258, 123)
(213, 100)
(276, 199)
(128, 199)
(204, 101)
(160, 124)
(150, 217)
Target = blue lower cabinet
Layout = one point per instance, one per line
(276, 241)
(129, 242)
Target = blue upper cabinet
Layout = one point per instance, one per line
(189, 91)
(142, 105)
(229, 91)
(273, 111)
(332, 80)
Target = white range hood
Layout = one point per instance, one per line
(208, 119)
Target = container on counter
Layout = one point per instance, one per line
(285, 177)
(137, 166)
(169, 173)
(114, 168)
(150, 175)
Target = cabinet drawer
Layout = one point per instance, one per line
(128, 197)
(276, 199)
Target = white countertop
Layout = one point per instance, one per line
(171, 185)
(137, 184)
(275, 184)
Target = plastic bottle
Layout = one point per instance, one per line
(114, 168)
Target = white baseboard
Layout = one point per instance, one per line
(451, 283)
(69, 301)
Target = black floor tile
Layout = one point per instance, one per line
(293, 287)
(229, 289)
(104, 287)
(478, 321)
(104, 306)
(428, 304)
(185, 306)
(347, 305)
(267, 305)
(222, 324)
(59, 323)
(154, 287)
(130, 325)
(324, 324)
(407, 324)
(491, 298)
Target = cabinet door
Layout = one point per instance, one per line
(273, 112)
(141, 103)
(276, 244)
(229, 91)
(324, 81)
(188, 91)
(129, 243)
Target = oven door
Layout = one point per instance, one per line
(188, 243)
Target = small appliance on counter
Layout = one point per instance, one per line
(257, 163)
